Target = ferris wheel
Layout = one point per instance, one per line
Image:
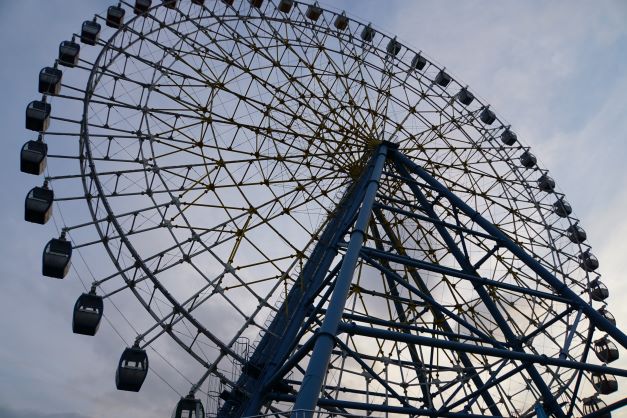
(303, 216)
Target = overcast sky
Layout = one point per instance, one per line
(557, 71)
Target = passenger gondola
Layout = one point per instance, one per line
(606, 350)
(87, 314)
(341, 22)
(367, 33)
(50, 81)
(604, 383)
(141, 6)
(68, 53)
(418, 62)
(598, 290)
(576, 234)
(38, 205)
(170, 4)
(588, 261)
(562, 208)
(115, 16)
(90, 32)
(285, 5)
(607, 315)
(56, 258)
(189, 407)
(509, 137)
(38, 116)
(442, 79)
(487, 116)
(132, 369)
(528, 160)
(313, 12)
(546, 183)
(394, 47)
(33, 157)
(593, 404)
(465, 97)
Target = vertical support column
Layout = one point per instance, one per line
(325, 339)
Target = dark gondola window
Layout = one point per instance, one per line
(367, 34)
(598, 290)
(418, 62)
(606, 350)
(394, 47)
(576, 234)
(562, 208)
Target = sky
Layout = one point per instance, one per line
(557, 71)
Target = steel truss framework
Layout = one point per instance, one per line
(282, 348)
(221, 152)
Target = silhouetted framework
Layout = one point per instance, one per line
(318, 217)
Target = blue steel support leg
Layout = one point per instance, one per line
(548, 396)
(325, 340)
(560, 287)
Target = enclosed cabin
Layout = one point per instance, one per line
(50, 81)
(285, 6)
(313, 12)
(509, 137)
(56, 258)
(442, 79)
(418, 62)
(598, 290)
(528, 160)
(588, 261)
(393, 48)
(115, 16)
(141, 6)
(90, 32)
(367, 33)
(607, 315)
(33, 157)
(604, 383)
(576, 234)
(132, 369)
(546, 183)
(38, 205)
(38, 116)
(562, 208)
(87, 314)
(465, 97)
(593, 404)
(341, 22)
(487, 116)
(606, 350)
(170, 4)
(189, 407)
(68, 53)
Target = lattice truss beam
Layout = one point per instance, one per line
(402, 340)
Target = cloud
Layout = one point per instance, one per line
(6, 412)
